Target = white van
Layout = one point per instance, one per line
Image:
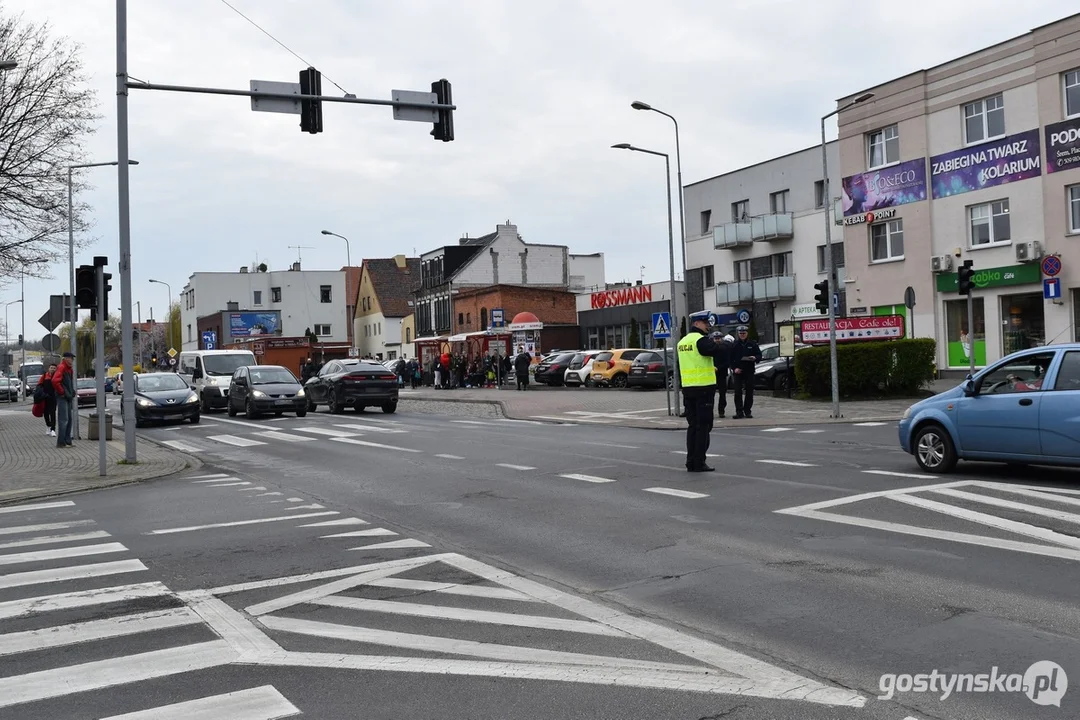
(209, 372)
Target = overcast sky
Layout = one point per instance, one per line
(543, 89)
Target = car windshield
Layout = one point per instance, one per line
(226, 364)
(85, 383)
(158, 382)
(770, 352)
(269, 376)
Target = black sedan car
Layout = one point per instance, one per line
(352, 382)
(259, 389)
(647, 370)
(552, 369)
(161, 397)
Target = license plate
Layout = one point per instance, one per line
(597, 377)
(373, 390)
(174, 417)
(637, 371)
(283, 401)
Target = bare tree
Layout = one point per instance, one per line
(47, 112)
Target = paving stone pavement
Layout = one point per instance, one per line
(32, 466)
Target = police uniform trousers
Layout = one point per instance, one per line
(698, 402)
(744, 392)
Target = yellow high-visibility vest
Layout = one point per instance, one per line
(695, 369)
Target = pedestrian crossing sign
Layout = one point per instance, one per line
(661, 325)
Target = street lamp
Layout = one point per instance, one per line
(833, 286)
(168, 340)
(348, 291)
(671, 258)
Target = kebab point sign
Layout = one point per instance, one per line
(880, 327)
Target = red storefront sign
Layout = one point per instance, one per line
(623, 296)
(881, 327)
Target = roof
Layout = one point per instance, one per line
(482, 240)
(393, 285)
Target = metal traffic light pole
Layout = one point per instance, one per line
(970, 313)
(99, 364)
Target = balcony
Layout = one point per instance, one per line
(730, 235)
(776, 226)
(777, 287)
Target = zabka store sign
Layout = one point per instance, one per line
(623, 296)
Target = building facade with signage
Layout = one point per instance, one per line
(607, 316)
(976, 159)
(382, 305)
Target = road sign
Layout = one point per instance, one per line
(414, 113)
(909, 298)
(209, 340)
(259, 348)
(172, 352)
(743, 316)
(172, 361)
(278, 105)
(498, 317)
(1051, 288)
(51, 342)
(661, 325)
(1051, 265)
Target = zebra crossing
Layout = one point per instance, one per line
(247, 435)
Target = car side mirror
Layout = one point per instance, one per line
(969, 388)
(196, 374)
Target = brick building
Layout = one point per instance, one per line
(472, 308)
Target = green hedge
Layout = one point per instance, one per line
(889, 367)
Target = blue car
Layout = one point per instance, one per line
(1023, 409)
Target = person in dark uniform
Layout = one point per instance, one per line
(745, 355)
(521, 368)
(722, 362)
(697, 375)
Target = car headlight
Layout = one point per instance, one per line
(300, 392)
(907, 413)
(192, 398)
(258, 393)
(144, 402)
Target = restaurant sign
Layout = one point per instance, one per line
(880, 327)
(871, 217)
(623, 296)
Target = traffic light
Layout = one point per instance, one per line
(105, 300)
(311, 110)
(153, 360)
(20, 341)
(86, 287)
(444, 125)
(822, 298)
(963, 278)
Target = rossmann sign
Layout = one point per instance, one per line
(623, 296)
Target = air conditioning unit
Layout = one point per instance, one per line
(1029, 251)
(941, 263)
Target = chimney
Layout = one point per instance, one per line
(639, 282)
(232, 306)
(295, 266)
(244, 269)
(399, 260)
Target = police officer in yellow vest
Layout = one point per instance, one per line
(697, 374)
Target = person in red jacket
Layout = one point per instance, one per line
(63, 382)
(49, 401)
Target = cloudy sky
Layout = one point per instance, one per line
(543, 89)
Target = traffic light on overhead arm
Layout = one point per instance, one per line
(444, 123)
(821, 300)
(963, 278)
(311, 110)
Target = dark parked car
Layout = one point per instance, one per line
(161, 397)
(9, 389)
(358, 383)
(552, 369)
(769, 374)
(259, 389)
(647, 369)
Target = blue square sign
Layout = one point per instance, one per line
(661, 325)
(1051, 288)
(209, 339)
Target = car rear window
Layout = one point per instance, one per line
(646, 357)
(603, 357)
(629, 354)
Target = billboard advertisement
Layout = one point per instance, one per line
(246, 324)
(1012, 158)
(880, 327)
(1063, 145)
(884, 188)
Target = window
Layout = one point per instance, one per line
(1068, 375)
(887, 241)
(275, 294)
(709, 273)
(990, 223)
(461, 318)
(1017, 376)
(984, 119)
(468, 319)
(408, 335)
(1072, 93)
(483, 319)
(740, 211)
(763, 267)
(1074, 208)
(819, 194)
(322, 330)
(883, 147)
(189, 333)
(959, 342)
(256, 297)
(837, 253)
(325, 294)
(706, 221)
(778, 201)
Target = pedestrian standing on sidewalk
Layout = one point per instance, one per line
(63, 382)
(697, 375)
(745, 355)
(722, 363)
(48, 394)
(521, 368)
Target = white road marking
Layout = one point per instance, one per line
(449, 457)
(792, 463)
(243, 423)
(811, 432)
(81, 598)
(283, 437)
(75, 572)
(1038, 494)
(312, 506)
(683, 452)
(919, 476)
(50, 539)
(394, 545)
(566, 421)
(380, 421)
(470, 422)
(1019, 528)
(515, 467)
(295, 499)
(266, 494)
(776, 429)
(38, 506)
(44, 527)
(586, 478)
(235, 440)
(230, 484)
(60, 553)
(604, 444)
(335, 523)
(1010, 505)
(371, 532)
(260, 703)
(203, 477)
(251, 489)
(80, 632)
(676, 493)
(215, 480)
(237, 523)
(494, 593)
(99, 674)
(371, 428)
(354, 441)
(329, 432)
(181, 446)
(869, 424)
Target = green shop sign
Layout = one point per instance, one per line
(994, 277)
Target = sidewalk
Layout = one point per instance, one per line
(31, 465)
(648, 408)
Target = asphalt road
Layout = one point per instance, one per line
(423, 566)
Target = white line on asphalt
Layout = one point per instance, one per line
(354, 441)
(39, 506)
(44, 684)
(252, 489)
(231, 626)
(61, 553)
(676, 493)
(869, 424)
(444, 456)
(230, 484)
(467, 615)
(74, 572)
(361, 418)
(515, 467)
(257, 426)
(328, 432)
(1011, 505)
(394, 545)
(80, 632)
(335, 523)
(81, 598)
(792, 463)
(372, 532)
(470, 422)
(1043, 488)
(237, 523)
(370, 428)
(283, 437)
(811, 432)
(260, 703)
(44, 527)
(1037, 494)
(494, 593)
(869, 495)
(234, 440)
(50, 539)
(215, 480)
(268, 493)
(396, 565)
(776, 429)
(890, 473)
(295, 499)
(312, 506)
(683, 452)
(604, 444)
(586, 478)
(205, 477)
(990, 520)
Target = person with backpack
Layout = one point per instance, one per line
(45, 400)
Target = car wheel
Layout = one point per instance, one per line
(231, 409)
(301, 413)
(780, 382)
(335, 407)
(249, 410)
(359, 408)
(618, 380)
(195, 419)
(589, 383)
(390, 407)
(310, 405)
(279, 413)
(204, 403)
(934, 450)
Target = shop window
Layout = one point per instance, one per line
(887, 241)
(1074, 208)
(706, 221)
(984, 119)
(1023, 325)
(1072, 93)
(819, 194)
(882, 147)
(959, 341)
(990, 224)
(778, 201)
(740, 211)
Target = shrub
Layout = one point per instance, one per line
(888, 367)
